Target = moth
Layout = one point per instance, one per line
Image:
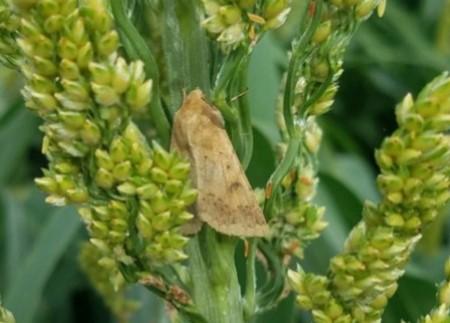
(226, 201)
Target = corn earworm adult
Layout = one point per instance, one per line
(226, 200)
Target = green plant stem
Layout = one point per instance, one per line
(215, 286)
(136, 45)
(298, 58)
(244, 111)
(281, 171)
(272, 290)
(250, 288)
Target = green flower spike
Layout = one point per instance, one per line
(414, 183)
(107, 280)
(311, 86)
(132, 197)
(233, 22)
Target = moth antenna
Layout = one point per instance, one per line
(239, 95)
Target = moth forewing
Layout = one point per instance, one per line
(226, 201)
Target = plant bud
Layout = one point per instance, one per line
(214, 25)
(184, 217)
(85, 56)
(54, 24)
(103, 160)
(440, 123)
(100, 244)
(104, 179)
(75, 90)
(189, 196)
(413, 122)
(145, 227)
(158, 175)
(121, 78)
(66, 168)
(100, 74)
(139, 96)
(320, 70)
(45, 102)
(67, 49)
(136, 153)
(390, 183)
(91, 133)
(108, 44)
(47, 184)
(122, 171)
(395, 220)
(322, 32)
(275, 7)
(179, 170)
(174, 186)
(159, 202)
(144, 167)
(365, 8)
(43, 47)
(230, 14)
(146, 208)
(44, 66)
(41, 84)
(162, 221)
(78, 32)
(118, 150)
(105, 95)
(161, 157)
(408, 156)
(78, 195)
(147, 191)
(127, 188)
(69, 70)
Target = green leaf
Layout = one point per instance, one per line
(16, 234)
(355, 174)
(23, 296)
(15, 137)
(263, 161)
(317, 255)
(414, 298)
(264, 84)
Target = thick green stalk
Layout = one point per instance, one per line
(215, 286)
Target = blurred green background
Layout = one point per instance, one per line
(39, 275)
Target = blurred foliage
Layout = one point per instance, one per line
(40, 279)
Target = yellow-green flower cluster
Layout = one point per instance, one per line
(299, 221)
(316, 65)
(414, 182)
(133, 198)
(316, 84)
(233, 22)
(441, 314)
(100, 272)
(6, 316)
(8, 27)
(150, 182)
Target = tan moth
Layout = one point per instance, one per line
(226, 200)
